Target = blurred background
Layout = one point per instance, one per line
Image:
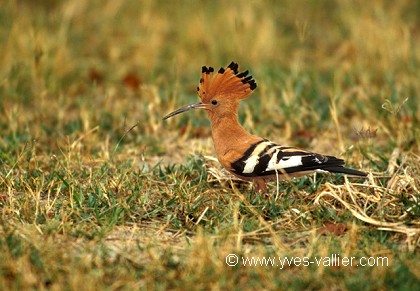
(72, 67)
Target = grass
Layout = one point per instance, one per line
(96, 192)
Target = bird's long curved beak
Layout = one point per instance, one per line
(198, 105)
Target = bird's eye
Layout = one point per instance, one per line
(214, 102)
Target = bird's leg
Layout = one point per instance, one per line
(260, 186)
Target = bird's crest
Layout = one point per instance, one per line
(227, 83)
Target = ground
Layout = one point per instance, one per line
(97, 192)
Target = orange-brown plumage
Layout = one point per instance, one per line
(247, 156)
(227, 83)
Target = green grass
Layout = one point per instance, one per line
(96, 192)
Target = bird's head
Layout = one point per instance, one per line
(220, 95)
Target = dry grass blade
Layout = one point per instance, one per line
(338, 192)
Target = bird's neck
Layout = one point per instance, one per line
(228, 134)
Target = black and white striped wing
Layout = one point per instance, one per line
(265, 158)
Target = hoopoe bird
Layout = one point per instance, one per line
(247, 156)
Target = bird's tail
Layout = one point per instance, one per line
(343, 170)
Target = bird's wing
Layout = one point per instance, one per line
(266, 158)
